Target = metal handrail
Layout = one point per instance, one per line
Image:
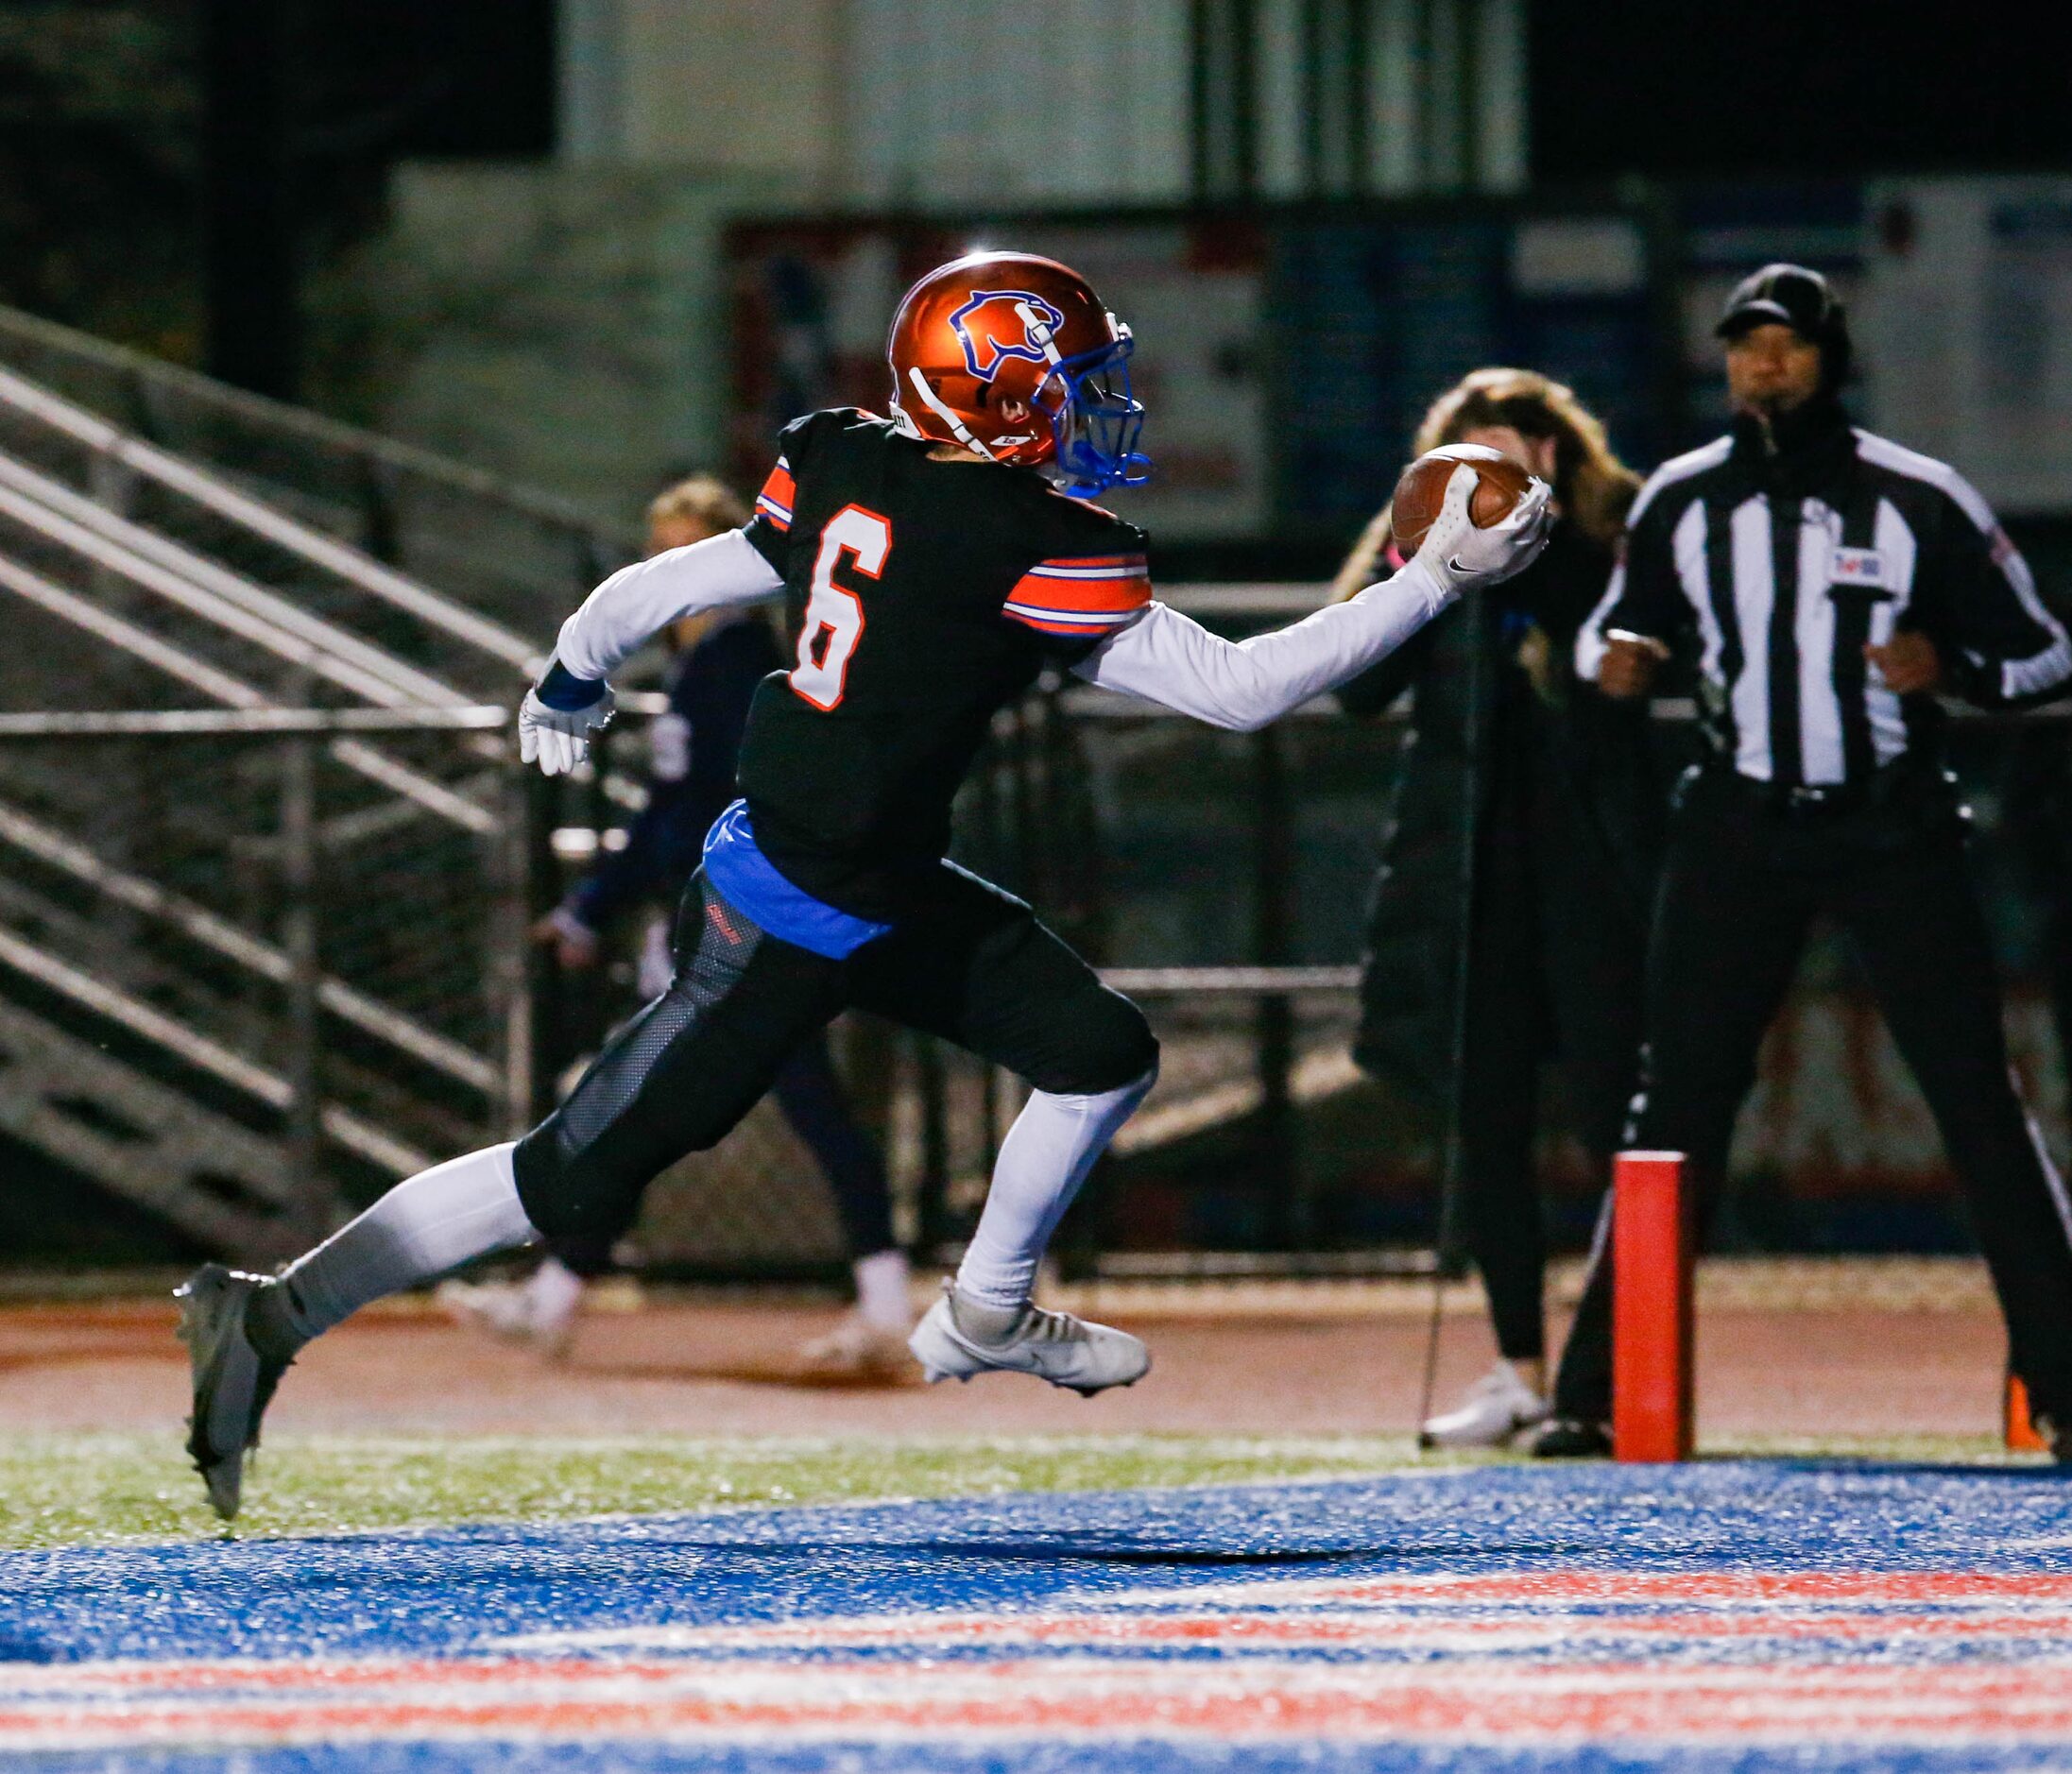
(288, 533)
(1089, 702)
(179, 575)
(196, 1050)
(298, 538)
(1239, 982)
(253, 722)
(366, 454)
(263, 413)
(200, 925)
(434, 797)
(1251, 597)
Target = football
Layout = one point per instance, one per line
(1423, 489)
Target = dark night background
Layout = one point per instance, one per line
(143, 143)
(1842, 87)
(164, 160)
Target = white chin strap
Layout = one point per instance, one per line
(1036, 330)
(956, 425)
(1039, 333)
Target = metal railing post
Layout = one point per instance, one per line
(509, 970)
(932, 1089)
(1273, 931)
(112, 484)
(310, 1192)
(546, 996)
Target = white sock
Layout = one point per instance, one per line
(553, 1290)
(424, 1226)
(883, 1294)
(1043, 1160)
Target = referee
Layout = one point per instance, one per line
(1823, 581)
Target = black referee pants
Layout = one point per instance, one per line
(972, 965)
(1743, 882)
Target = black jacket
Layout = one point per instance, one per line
(1546, 763)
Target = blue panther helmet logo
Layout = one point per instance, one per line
(991, 329)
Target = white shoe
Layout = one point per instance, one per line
(540, 1312)
(856, 1346)
(1496, 1407)
(961, 1338)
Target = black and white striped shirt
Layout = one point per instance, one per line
(1780, 573)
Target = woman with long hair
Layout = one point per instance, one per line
(1530, 804)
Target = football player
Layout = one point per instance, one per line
(933, 562)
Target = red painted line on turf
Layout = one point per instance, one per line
(1217, 1630)
(1897, 1586)
(1547, 1657)
(1231, 1631)
(1826, 1704)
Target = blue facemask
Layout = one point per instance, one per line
(1094, 420)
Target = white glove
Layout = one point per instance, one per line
(1460, 555)
(559, 739)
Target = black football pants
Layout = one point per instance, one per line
(1743, 883)
(971, 964)
(809, 1094)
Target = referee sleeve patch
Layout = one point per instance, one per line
(780, 493)
(1092, 595)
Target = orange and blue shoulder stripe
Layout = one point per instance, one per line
(1092, 595)
(777, 496)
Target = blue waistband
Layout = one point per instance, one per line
(748, 879)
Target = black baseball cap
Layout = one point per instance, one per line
(1794, 296)
(1790, 295)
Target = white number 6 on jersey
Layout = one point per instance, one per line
(833, 611)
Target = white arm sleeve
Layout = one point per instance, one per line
(638, 602)
(1171, 659)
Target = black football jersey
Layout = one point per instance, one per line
(922, 597)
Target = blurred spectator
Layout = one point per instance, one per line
(717, 659)
(1824, 582)
(1550, 784)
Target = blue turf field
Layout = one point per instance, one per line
(1711, 1616)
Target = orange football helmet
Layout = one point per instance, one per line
(1014, 357)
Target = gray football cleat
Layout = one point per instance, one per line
(960, 1338)
(233, 1382)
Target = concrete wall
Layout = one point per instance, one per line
(560, 325)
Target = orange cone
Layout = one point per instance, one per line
(2021, 1429)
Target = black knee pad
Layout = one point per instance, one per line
(569, 1196)
(1112, 1046)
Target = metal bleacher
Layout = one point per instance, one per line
(266, 865)
(237, 721)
